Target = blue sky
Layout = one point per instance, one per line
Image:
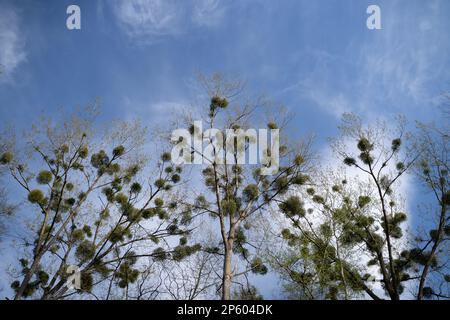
(140, 57)
(316, 57)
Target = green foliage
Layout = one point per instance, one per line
(258, 266)
(300, 179)
(24, 263)
(102, 269)
(366, 158)
(201, 202)
(292, 207)
(87, 281)
(218, 102)
(400, 217)
(363, 201)
(240, 238)
(118, 234)
(183, 241)
(434, 234)
(396, 143)
(394, 225)
(160, 183)
(162, 214)
(336, 188)
(168, 170)
(121, 198)
(118, 151)
(282, 184)
(6, 158)
(104, 214)
(100, 159)
(87, 230)
(109, 193)
(43, 277)
(135, 188)
(325, 230)
(318, 199)
(166, 156)
(83, 152)
(286, 234)
(64, 148)
(299, 160)
(77, 235)
(250, 293)
(212, 250)
(85, 251)
(182, 251)
(36, 196)
(173, 229)
(126, 274)
(159, 254)
(349, 161)
(175, 178)
(15, 285)
(400, 166)
(364, 145)
(229, 206)
(421, 257)
(44, 177)
(159, 202)
(133, 214)
(111, 169)
(283, 150)
(250, 192)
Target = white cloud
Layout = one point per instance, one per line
(148, 17)
(207, 12)
(334, 103)
(152, 19)
(153, 113)
(12, 42)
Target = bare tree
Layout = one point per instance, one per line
(90, 208)
(196, 277)
(235, 192)
(431, 253)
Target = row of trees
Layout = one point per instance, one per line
(139, 228)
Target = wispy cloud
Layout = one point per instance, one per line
(394, 69)
(12, 42)
(150, 20)
(208, 12)
(408, 54)
(148, 17)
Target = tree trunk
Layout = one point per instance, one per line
(426, 268)
(227, 276)
(27, 278)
